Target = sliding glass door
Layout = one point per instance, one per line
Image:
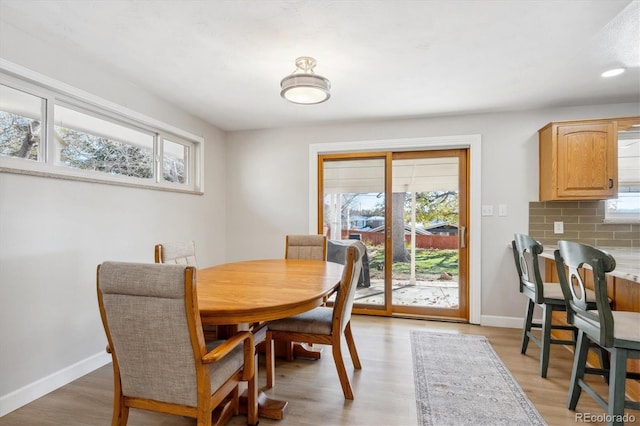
(410, 211)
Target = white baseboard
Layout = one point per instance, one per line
(495, 321)
(16, 399)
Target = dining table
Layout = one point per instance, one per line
(232, 295)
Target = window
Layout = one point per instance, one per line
(92, 143)
(20, 123)
(626, 208)
(54, 133)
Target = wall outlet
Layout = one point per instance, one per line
(487, 210)
(558, 227)
(502, 210)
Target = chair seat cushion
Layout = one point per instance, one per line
(626, 325)
(220, 371)
(554, 291)
(315, 321)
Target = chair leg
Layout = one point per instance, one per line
(352, 346)
(120, 409)
(617, 382)
(577, 372)
(528, 318)
(546, 339)
(269, 359)
(252, 392)
(604, 362)
(342, 372)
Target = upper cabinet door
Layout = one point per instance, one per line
(587, 161)
(578, 160)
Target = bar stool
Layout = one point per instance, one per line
(547, 296)
(617, 332)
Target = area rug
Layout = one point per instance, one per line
(460, 380)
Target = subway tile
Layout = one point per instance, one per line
(580, 227)
(560, 218)
(537, 212)
(612, 243)
(626, 235)
(597, 235)
(590, 204)
(579, 212)
(589, 219)
(562, 204)
(536, 219)
(613, 227)
(540, 227)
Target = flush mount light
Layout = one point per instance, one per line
(612, 72)
(303, 86)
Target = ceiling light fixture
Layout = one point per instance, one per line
(303, 86)
(612, 72)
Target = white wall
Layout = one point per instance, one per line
(53, 234)
(267, 191)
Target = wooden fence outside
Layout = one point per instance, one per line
(422, 241)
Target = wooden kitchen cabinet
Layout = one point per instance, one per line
(578, 160)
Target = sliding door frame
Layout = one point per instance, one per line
(470, 142)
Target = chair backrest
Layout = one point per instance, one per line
(151, 319)
(346, 292)
(178, 253)
(525, 255)
(311, 247)
(570, 259)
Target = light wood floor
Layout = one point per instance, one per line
(384, 391)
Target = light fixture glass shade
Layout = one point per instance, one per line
(305, 87)
(613, 72)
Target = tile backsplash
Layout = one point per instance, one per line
(583, 223)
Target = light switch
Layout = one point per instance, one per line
(502, 210)
(487, 210)
(558, 227)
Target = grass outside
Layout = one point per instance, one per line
(428, 262)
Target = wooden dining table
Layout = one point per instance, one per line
(255, 291)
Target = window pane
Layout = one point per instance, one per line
(627, 205)
(173, 161)
(20, 119)
(91, 143)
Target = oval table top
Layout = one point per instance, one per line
(263, 290)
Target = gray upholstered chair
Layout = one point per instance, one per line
(160, 359)
(547, 296)
(617, 332)
(324, 325)
(312, 247)
(179, 253)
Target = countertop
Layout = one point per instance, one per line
(627, 261)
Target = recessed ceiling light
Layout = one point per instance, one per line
(613, 72)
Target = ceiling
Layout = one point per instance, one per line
(222, 60)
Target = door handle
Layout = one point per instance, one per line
(463, 242)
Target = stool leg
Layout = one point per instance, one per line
(577, 372)
(528, 317)
(546, 339)
(617, 378)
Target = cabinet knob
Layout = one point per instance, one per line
(610, 183)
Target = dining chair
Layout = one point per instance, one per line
(160, 359)
(617, 332)
(548, 296)
(324, 325)
(180, 253)
(311, 247)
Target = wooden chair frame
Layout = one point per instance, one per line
(334, 339)
(225, 400)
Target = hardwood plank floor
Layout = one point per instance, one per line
(384, 391)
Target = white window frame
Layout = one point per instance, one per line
(48, 165)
